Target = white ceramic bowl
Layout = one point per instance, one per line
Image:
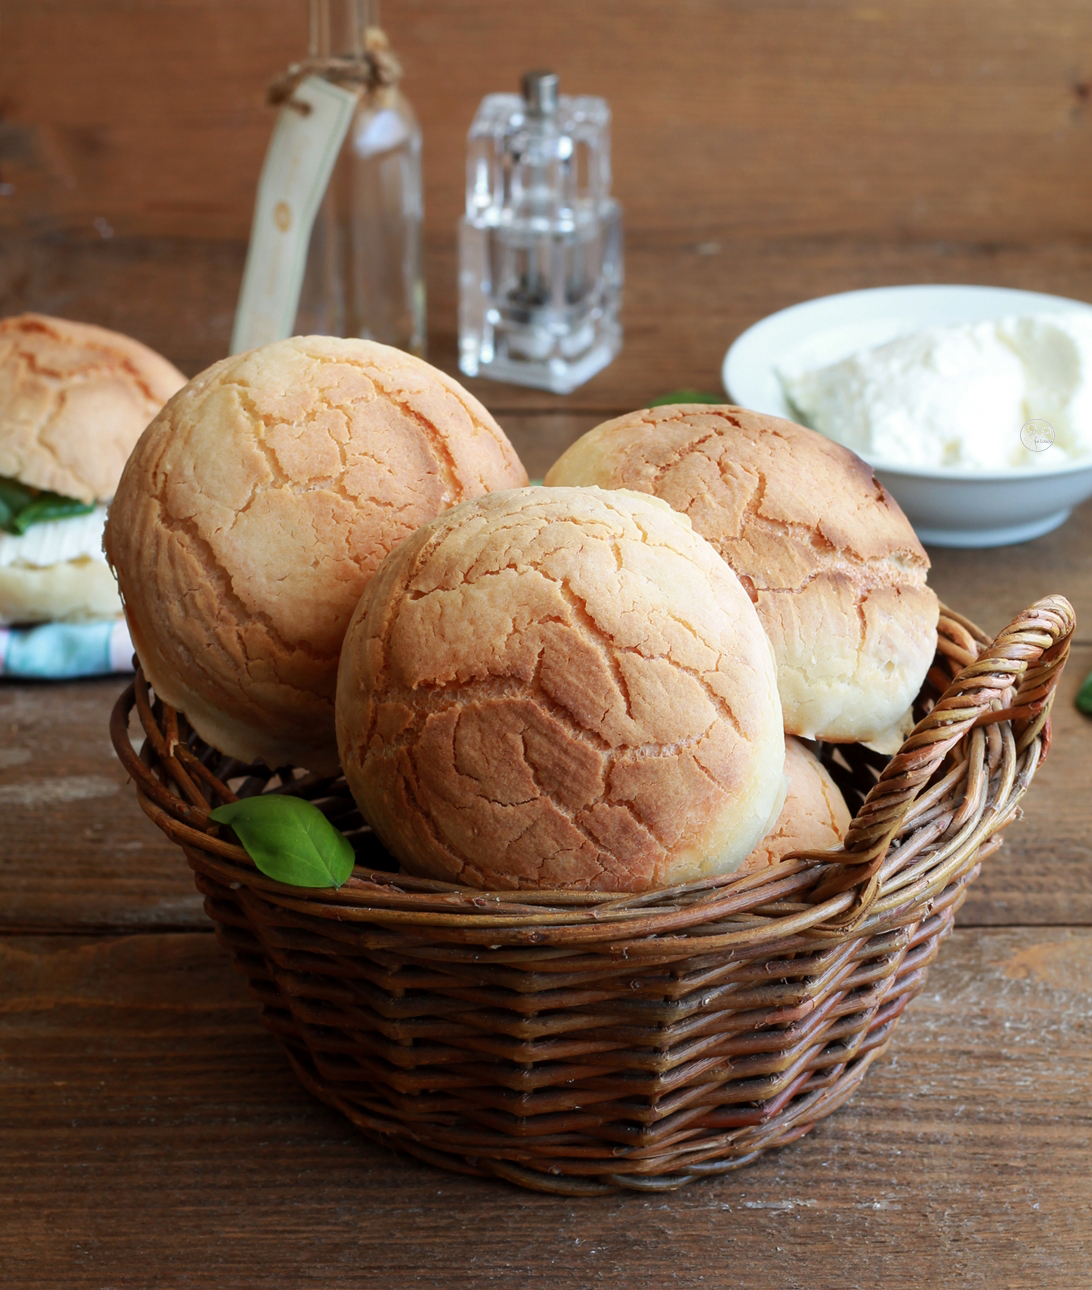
(947, 507)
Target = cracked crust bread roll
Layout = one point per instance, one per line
(255, 509)
(814, 818)
(561, 688)
(73, 401)
(833, 566)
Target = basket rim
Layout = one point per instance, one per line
(996, 693)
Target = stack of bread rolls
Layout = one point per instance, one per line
(328, 554)
(834, 568)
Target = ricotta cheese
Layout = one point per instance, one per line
(958, 396)
(56, 572)
(79, 537)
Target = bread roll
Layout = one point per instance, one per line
(814, 818)
(73, 402)
(561, 688)
(832, 564)
(254, 511)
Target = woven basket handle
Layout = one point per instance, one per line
(1012, 680)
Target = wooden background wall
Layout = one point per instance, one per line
(899, 140)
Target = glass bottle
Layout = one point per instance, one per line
(540, 245)
(363, 275)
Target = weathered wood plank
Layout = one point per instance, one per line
(1043, 872)
(75, 848)
(685, 301)
(152, 1134)
(921, 118)
(992, 585)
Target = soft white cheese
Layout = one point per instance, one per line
(958, 396)
(79, 537)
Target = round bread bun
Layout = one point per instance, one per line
(73, 402)
(814, 818)
(833, 566)
(561, 688)
(255, 509)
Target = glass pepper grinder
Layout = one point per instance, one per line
(540, 245)
(363, 274)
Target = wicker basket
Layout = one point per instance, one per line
(578, 1043)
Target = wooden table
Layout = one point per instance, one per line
(153, 1135)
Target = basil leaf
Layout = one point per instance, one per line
(50, 506)
(686, 396)
(1084, 695)
(14, 496)
(21, 506)
(289, 840)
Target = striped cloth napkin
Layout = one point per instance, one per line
(56, 650)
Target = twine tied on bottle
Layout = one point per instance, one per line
(377, 68)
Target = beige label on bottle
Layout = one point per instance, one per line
(296, 171)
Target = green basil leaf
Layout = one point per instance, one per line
(1084, 695)
(686, 396)
(50, 506)
(14, 495)
(21, 506)
(289, 840)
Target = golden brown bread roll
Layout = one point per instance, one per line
(814, 818)
(561, 688)
(73, 402)
(255, 509)
(830, 561)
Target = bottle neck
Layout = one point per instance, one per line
(336, 27)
